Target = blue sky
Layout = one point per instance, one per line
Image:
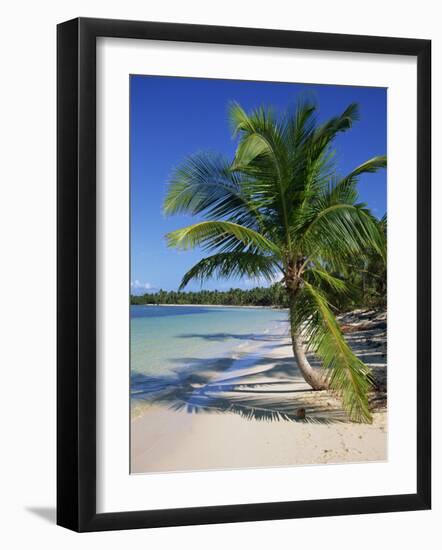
(172, 118)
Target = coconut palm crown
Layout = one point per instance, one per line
(279, 211)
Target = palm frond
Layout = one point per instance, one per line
(311, 158)
(347, 375)
(205, 184)
(369, 166)
(262, 155)
(337, 124)
(340, 231)
(344, 190)
(325, 134)
(226, 236)
(233, 264)
(324, 279)
(261, 140)
(301, 124)
(240, 121)
(250, 149)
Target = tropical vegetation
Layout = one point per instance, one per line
(271, 296)
(279, 211)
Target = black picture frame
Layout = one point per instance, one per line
(76, 274)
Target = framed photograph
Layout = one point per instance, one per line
(243, 250)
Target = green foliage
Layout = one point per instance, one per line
(280, 207)
(367, 279)
(222, 235)
(347, 375)
(231, 264)
(274, 295)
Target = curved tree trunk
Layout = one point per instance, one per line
(314, 377)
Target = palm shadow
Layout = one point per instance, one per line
(272, 391)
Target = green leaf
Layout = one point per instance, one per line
(204, 184)
(321, 276)
(348, 375)
(220, 234)
(233, 264)
(341, 231)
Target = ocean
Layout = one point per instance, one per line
(167, 339)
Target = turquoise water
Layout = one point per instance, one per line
(167, 339)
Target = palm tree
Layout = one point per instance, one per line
(280, 211)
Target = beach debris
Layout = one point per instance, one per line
(363, 326)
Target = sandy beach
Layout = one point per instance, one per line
(255, 410)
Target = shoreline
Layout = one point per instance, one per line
(247, 409)
(211, 305)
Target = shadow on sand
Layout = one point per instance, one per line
(272, 390)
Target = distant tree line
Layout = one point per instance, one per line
(367, 281)
(259, 296)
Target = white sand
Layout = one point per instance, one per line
(164, 439)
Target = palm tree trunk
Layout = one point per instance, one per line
(315, 378)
